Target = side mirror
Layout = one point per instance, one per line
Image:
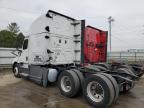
(19, 51)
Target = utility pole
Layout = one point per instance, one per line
(110, 20)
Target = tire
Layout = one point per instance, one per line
(105, 85)
(93, 67)
(111, 88)
(68, 83)
(140, 75)
(80, 76)
(115, 85)
(126, 88)
(103, 65)
(137, 72)
(16, 71)
(133, 72)
(100, 67)
(124, 66)
(130, 71)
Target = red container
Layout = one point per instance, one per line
(95, 45)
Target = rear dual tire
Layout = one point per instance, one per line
(104, 93)
(129, 68)
(104, 65)
(100, 90)
(115, 85)
(68, 83)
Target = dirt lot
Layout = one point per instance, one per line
(21, 93)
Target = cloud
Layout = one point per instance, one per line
(127, 28)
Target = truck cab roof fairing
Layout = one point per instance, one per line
(62, 31)
(43, 20)
(51, 11)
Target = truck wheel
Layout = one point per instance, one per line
(115, 85)
(103, 65)
(80, 76)
(16, 71)
(140, 74)
(98, 91)
(68, 83)
(101, 68)
(126, 87)
(130, 71)
(129, 68)
(111, 88)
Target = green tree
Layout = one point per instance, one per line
(12, 37)
(13, 27)
(7, 39)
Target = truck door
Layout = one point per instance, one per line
(23, 60)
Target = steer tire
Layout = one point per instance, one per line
(16, 71)
(74, 83)
(115, 85)
(106, 86)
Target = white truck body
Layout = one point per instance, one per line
(59, 40)
(53, 51)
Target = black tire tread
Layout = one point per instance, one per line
(76, 83)
(111, 88)
(108, 90)
(115, 85)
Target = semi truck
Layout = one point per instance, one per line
(62, 49)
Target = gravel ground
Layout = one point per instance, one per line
(21, 93)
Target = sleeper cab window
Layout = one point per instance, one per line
(25, 44)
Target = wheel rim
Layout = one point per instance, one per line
(16, 71)
(95, 91)
(66, 83)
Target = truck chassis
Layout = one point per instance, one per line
(99, 85)
(60, 50)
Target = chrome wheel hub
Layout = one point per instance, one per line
(66, 83)
(95, 91)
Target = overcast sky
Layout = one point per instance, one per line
(127, 29)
